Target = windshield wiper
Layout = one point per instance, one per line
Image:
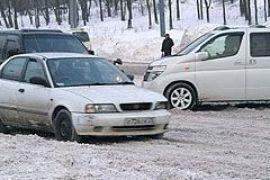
(125, 83)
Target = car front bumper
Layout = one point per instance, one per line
(121, 124)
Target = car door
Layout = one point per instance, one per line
(258, 66)
(34, 99)
(222, 75)
(11, 74)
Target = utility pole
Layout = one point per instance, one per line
(162, 18)
(74, 15)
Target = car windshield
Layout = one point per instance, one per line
(83, 36)
(194, 44)
(66, 72)
(52, 43)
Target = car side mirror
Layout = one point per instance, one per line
(39, 81)
(91, 52)
(118, 61)
(202, 56)
(130, 76)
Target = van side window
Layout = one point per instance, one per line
(12, 48)
(13, 69)
(259, 44)
(2, 43)
(223, 46)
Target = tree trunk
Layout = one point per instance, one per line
(142, 8)
(9, 14)
(241, 5)
(108, 4)
(207, 5)
(149, 14)
(84, 9)
(47, 16)
(14, 4)
(57, 12)
(116, 7)
(123, 17)
(256, 12)
(201, 8)
(129, 6)
(177, 10)
(4, 15)
(224, 12)
(170, 14)
(155, 11)
(198, 9)
(268, 8)
(101, 11)
(249, 12)
(37, 20)
(265, 10)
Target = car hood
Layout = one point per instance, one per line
(116, 94)
(175, 59)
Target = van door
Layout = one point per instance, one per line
(222, 75)
(258, 67)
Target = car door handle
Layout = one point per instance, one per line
(239, 63)
(21, 90)
(252, 61)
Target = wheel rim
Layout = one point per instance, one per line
(64, 130)
(181, 98)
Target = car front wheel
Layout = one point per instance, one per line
(181, 96)
(63, 128)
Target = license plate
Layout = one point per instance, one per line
(139, 121)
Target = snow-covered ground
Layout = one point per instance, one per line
(230, 143)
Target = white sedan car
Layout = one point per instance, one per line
(74, 95)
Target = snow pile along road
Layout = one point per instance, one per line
(218, 144)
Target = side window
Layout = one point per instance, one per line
(223, 46)
(12, 48)
(33, 69)
(13, 69)
(259, 44)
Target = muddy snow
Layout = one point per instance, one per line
(215, 143)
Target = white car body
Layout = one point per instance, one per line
(36, 106)
(238, 77)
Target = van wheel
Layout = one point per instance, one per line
(63, 128)
(181, 96)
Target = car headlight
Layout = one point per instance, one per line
(161, 105)
(100, 108)
(153, 72)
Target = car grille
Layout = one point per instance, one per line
(136, 106)
(133, 128)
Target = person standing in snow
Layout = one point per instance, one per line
(167, 45)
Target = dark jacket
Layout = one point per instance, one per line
(167, 45)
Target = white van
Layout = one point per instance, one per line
(223, 65)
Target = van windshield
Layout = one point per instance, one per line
(194, 44)
(52, 43)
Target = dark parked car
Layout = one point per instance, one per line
(14, 42)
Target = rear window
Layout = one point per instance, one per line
(52, 43)
(259, 44)
(83, 36)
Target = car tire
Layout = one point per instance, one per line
(3, 128)
(63, 127)
(181, 96)
(157, 136)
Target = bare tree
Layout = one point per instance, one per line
(47, 16)
(207, 5)
(265, 10)
(177, 10)
(101, 11)
(198, 9)
(256, 12)
(9, 13)
(201, 8)
(130, 16)
(155, 11)
(15, 14)
(224, 12)
(122, 10)
(149, 14)
(170, 14)
(4, 15)
(108, 5)
(248, 12)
